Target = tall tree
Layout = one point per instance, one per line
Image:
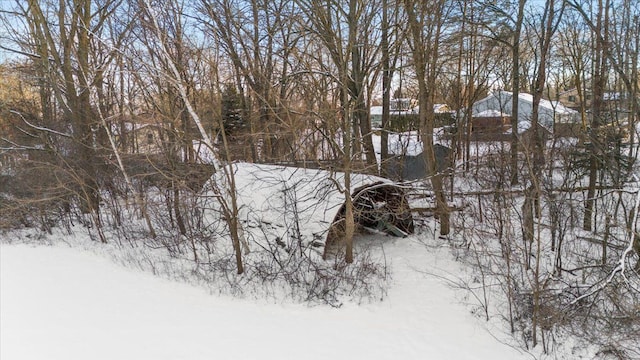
(507, 30)
(574, 50)
(392, 40)
(223, 184)
(599, 78)
(550, 20)
(387, 74)
(259, 38)
(515, 88)
(344, 29)
(62, 40)
(425, 20)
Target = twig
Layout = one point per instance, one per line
(41, 128)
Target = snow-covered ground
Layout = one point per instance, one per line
(58, 302)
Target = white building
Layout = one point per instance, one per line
(397, 107)
(402, 107)
(550, 112)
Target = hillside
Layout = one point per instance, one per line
(63, 303)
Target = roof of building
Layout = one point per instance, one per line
(546, 104)
(491, 113)
(266, 194)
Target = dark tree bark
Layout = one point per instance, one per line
(515, 87)
(425, 21)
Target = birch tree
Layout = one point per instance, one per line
(224, 185)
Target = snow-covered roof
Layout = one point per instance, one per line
(376, 110)
(555, 106)
(491, 113)
(407, 143)
(276, 201)
(549, 112)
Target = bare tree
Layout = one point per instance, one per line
(352, 54)
(62, 41)
(260, 41)
(223, 186)
(72, 86)
(574, 43)
(515, 86)
(425, 22)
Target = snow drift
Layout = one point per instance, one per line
(296, 207)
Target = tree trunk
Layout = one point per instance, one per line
(515, 84)
(386, 88)
(599, 82)
(426, 71)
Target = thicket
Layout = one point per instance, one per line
(562, 279)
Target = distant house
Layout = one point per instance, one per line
(401, 110)
(375, 113)
(490, 122)
(444, 115)
(148, 139)
(403, 115)
(550, 112)
(612, 100)
(441, 108)
(139, 138)
(571, 99)
(402, 104)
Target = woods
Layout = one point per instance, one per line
(137, 120)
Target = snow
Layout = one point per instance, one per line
(267, 194)
(546, 104)
(406, 143)
(58, 302)
(491, 113)
(549, 112)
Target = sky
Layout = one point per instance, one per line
(5, 5)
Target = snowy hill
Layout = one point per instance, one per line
(64, 303)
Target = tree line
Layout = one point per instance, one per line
(312, 68)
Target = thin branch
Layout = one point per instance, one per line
(20, 52)
(41, 128)
(16, 146)
(621, 267)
